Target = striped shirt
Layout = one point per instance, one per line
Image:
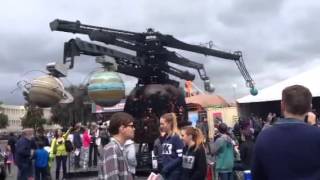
(112, 162)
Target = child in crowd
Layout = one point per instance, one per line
(8, 159)
(41, 157)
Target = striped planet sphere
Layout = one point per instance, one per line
(106, 88)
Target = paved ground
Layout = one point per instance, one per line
(14, 175)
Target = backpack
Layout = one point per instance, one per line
(69, 146)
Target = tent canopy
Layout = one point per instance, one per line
(308, 79)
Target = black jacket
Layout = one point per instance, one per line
(246, 153)
(23, 152)
(77, 140)
(37, 140)
(194, 164)
(12, 143)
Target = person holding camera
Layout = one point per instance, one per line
(58, 150)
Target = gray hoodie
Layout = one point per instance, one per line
(130, 154)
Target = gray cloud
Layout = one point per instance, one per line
(250, 12)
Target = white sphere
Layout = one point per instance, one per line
(46, 91)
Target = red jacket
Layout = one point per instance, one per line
(86, 139)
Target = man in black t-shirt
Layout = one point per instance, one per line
(12, 143)
(93, 150)
(39, 138)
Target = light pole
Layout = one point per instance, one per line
(234, 88)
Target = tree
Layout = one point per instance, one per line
(77, 111)
(4, 121)
(33, 118)
(1, 108)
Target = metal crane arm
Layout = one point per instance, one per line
(170, 41)
(174, 58)
(76, 47)
(77, 27)
(125, 39)
(150, 47)
(186, 75)
(126, 64)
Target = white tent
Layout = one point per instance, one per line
(309, 79)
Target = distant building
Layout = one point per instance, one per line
(15, 113)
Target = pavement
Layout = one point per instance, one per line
(15, 172)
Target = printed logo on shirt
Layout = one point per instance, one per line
(187, 162)
(166, 148)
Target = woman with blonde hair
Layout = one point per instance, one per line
(194, 163)
(59, 151)
(172, 146)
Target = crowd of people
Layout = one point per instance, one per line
(35, 152)
(271, 148)
(180, 154)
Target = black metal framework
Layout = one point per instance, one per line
(150, 64)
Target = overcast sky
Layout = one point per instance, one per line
(279, 38)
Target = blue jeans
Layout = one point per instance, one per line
(61, 161)
(93, 150)
(24, 171)
(41, 173)
(225, 176)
